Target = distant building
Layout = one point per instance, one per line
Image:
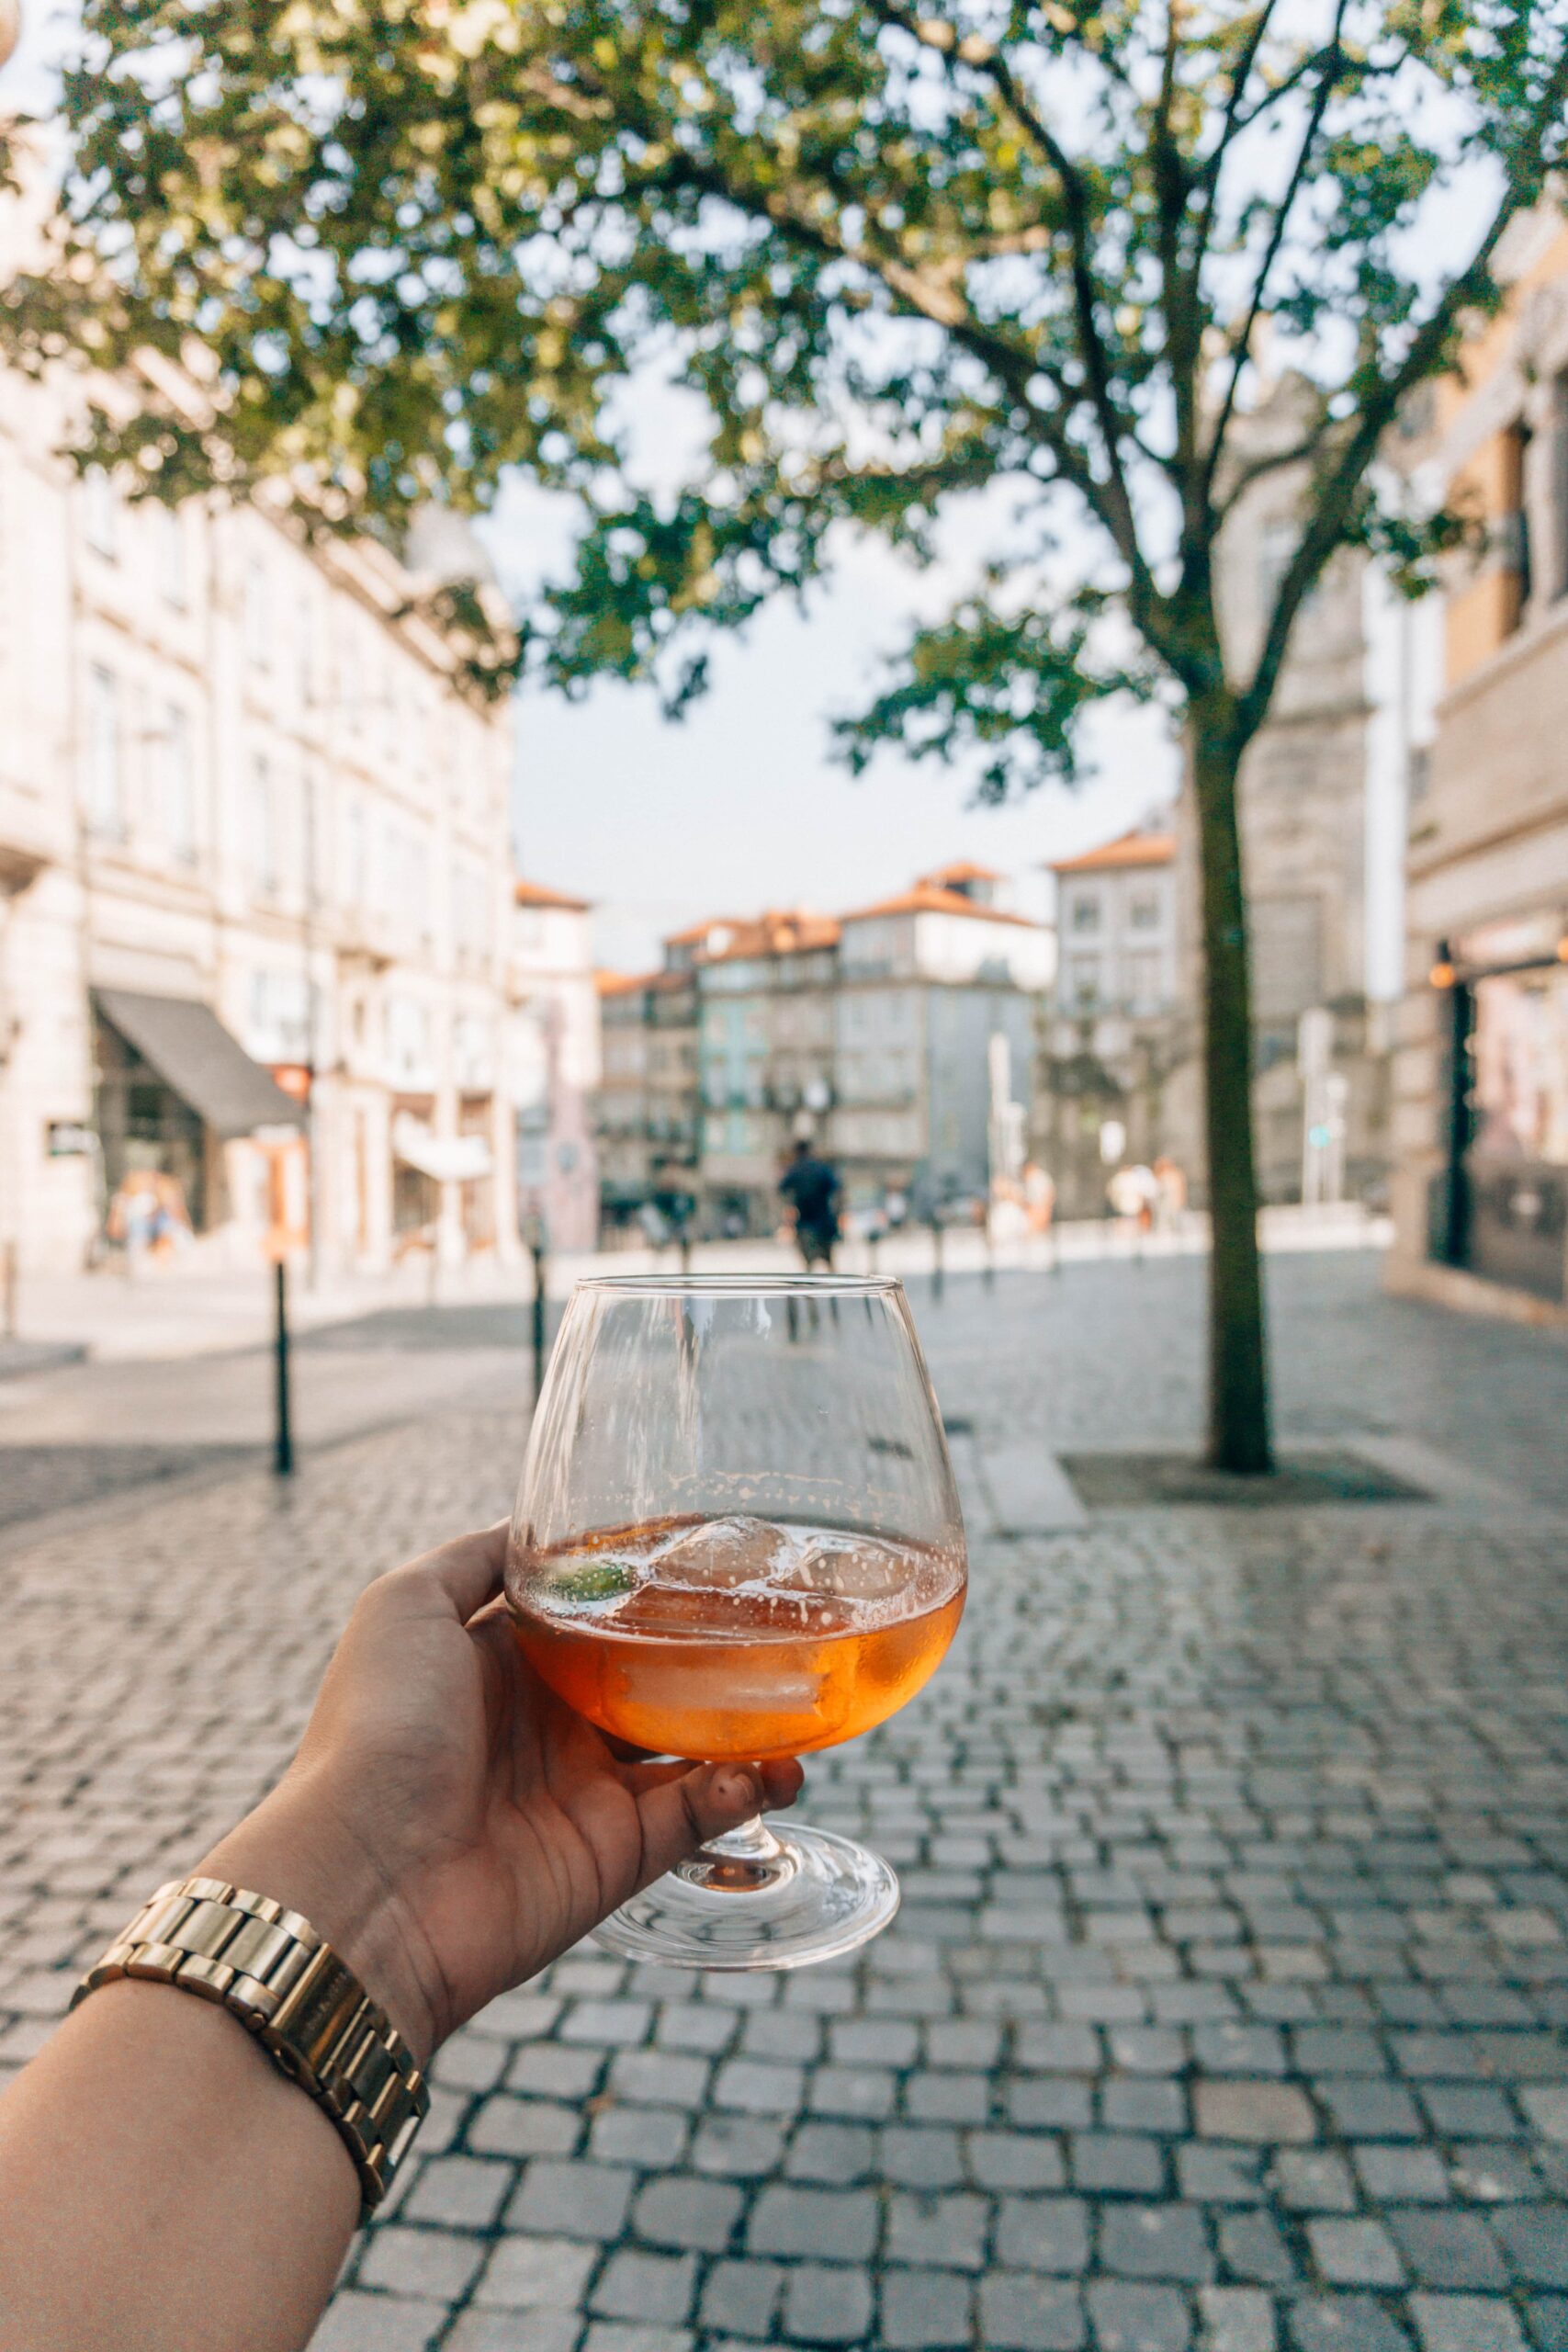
(555, 1063)
(869, 1033)
(1111, 1035)
(1481, 1195)
(925, 980)
(254, 867)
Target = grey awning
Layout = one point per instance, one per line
(190, 1049)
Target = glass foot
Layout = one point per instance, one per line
(758, 1898)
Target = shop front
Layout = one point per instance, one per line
(1498, 1206)
(173, 1086)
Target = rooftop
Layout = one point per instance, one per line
(929, 899)
(1136, 848)
(538, 894)
(963, 870)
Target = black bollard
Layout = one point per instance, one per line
(283, 1432)
(540, 1313)
(936, 1258)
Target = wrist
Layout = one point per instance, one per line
(294, 1848)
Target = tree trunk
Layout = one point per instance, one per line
(1240, 1436)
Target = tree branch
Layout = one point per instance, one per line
(1523, 179)
(1331, 56)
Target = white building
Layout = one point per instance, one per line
(250, 821)
(554, 1062)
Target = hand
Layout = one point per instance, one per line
(449, 1825)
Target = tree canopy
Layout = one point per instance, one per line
(899, 257)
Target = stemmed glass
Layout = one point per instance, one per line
(737, 1535)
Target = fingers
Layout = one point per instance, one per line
(683, 1805)
(464, 1574)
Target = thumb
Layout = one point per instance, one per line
(693, 1804)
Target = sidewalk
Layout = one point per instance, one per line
(168, 1310)
(1227, 2010)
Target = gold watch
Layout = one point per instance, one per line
(289, 1988)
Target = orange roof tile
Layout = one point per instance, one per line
(1128, 849)
(925, 898)
(537, 894)
(619, 983)
(964, 869)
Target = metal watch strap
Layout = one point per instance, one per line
(270, 1967)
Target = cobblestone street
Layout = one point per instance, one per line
(1226, 2006)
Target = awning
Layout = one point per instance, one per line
(449, 1159)
(190, 1049)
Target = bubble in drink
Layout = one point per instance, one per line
(735, 1636)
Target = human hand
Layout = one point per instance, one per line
(448, 1824)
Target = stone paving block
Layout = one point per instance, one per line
(1139, 2319)
(1343, 2324)
(1116, 2161)
(925, 2310)
(1488, 2174)
(657, 2078)
(540, 2331)
(1140, 2105)
(1220, 2175)
(1235, 2319)
(523, 2274)
(1547, 2110)
(1252, 2247)
(618, 2335)
(1466, 2323)
(738, 2148)
(1535, 2242)
(547, 2070)
(696, 2026)
(570, 2198)
(873, 2041)
(1044, 2234)
(945, 2230)
(1021, 2313)
(682, 2210)
(1446, 2247)
(836, 2153)
(742, 2295)
(1355, 2253)
(462, 2190)
(638, 2135)
(616, 2025)
(437, 2263)
(827, 2303)
(504, 2126)
(1053, 2102)
(1404, 2175)
(839, 2225)
(360, 2323)
(646, 2287)
(1004, 2160)
(1166, 2241)
(861, 2094)
(1260, 2113)
(919, 2157)
(1314, 2180)
(758, 2086)
(1546, 2316)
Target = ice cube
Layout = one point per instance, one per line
(719, 1555)
(853, 1568)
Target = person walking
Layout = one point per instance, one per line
(810, 1186)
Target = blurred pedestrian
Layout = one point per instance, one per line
(1170, 1201)
(810, 1187)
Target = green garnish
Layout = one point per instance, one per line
(591, 1580)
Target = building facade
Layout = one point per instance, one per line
(1480, 1197)
(553, 1040)
(238, 773)
(1112, 1034)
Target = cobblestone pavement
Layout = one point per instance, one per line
(1227, 2006)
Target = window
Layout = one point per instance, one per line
(280, 1017)
(262, 828)
(1084, 981)
(1511, 533)
(1086, 915)
(179, 785)
(1144, 979)
(1142, 912)
(105, 782)
(170, 525)
(258, 616)
(354, 852)
(469, 926)
(100, 510)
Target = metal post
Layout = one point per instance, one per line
(540, 1313)
(989, 1273)
(936, 1258)
(1456, 1205)
(283, 1435)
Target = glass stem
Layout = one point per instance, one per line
(746, 1861)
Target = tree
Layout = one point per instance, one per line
(900, 256)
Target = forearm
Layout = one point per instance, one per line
(157, 2168)
(159, 2180)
